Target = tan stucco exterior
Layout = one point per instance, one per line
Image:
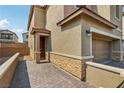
(68, 37)
(104, 11)
(64, 38)
(107, 76)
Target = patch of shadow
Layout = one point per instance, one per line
(21, 77)
(114, 64)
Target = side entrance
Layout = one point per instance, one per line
(42, 48)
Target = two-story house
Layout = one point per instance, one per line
(8, 36)
(70, 35)
(25, 37)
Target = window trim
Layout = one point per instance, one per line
(6, 36)
(117, 18)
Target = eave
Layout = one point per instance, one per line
(90, 13)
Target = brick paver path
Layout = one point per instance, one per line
(45, 75)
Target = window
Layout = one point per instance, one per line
(6, 36)
(117, 11)
(27, 36)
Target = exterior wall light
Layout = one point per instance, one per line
(88, 32)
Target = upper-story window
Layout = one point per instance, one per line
(117, 11)
(26, 36)
(6, 36)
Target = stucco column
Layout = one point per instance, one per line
(37, 40)
(87, 46)
(37, 47)
(91, 44)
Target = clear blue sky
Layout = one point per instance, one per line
(15, 18)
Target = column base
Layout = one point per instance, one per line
(37, 56)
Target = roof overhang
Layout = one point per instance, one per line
(40, 30)
(98, 31)
(85, 10)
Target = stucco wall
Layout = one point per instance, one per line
(37, 21)
(104, 11)
(31, 37)
(88, 22)
(7, 71)
(40, 17)
(65, 39)
(103, 76)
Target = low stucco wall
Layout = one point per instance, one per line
(104, 76)
(74, 66)
(7, 70)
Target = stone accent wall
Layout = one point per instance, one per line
(9, 49)
(116, 56)
(72, 65)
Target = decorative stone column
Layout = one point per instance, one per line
(117, 53)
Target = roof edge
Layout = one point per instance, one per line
(83, 10)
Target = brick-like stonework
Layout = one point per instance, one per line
(72, 65)
(116, 56)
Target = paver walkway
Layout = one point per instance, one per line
(45, 75)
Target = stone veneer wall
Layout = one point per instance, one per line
(116, 56)
(72, 65)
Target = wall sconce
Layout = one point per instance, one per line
(88, 32)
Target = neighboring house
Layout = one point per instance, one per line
(25, 37)
(8, 36)
(68, 36)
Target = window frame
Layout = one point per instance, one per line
(6, 36)
(118, 18)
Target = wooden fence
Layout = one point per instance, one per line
(9, 49)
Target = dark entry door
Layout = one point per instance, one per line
(42, 48)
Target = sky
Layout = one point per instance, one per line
(14, 18)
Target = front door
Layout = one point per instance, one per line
(42, 48)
